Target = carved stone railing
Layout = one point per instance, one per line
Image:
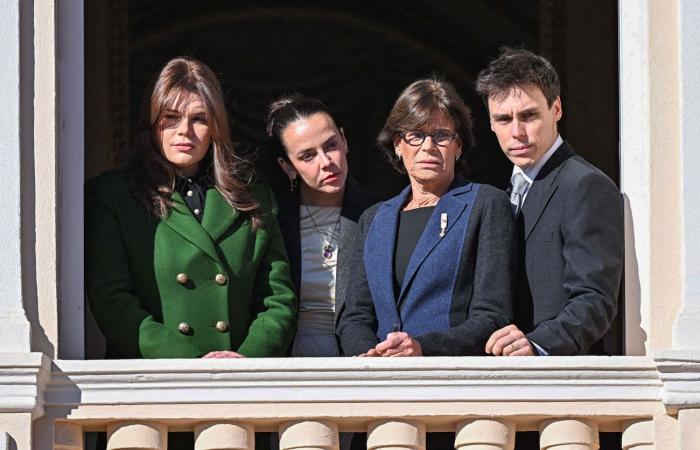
(396, 401)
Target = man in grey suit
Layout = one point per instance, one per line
(570, 217)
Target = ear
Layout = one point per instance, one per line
(287, 167)
(557, 109)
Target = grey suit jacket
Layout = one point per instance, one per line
(571, 234)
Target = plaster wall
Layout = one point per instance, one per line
(650, 172)
(686, 332)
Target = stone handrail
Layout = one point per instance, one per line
(569, 400)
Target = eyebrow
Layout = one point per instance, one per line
(302, 151)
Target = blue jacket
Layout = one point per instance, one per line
(457, 289)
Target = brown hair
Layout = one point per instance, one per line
(230, 173)
(413, 109)
(516, 68)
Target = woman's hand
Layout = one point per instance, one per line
(223, 354)
(398, 343)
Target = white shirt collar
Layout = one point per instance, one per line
(531, 172)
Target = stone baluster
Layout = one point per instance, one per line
(308, 435)
(137, 436)
(396, 435)
(569, 434)
(485, 434)
(638, 435)
(224, 436)
(67, 436)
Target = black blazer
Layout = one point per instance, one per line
(571, 234)
(458, 289)
(355, 200)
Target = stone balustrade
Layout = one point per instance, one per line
(396, 401)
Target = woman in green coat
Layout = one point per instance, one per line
(184, 258)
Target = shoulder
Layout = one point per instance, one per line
(267, 205)
(578, 174)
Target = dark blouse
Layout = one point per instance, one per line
(194, 192)
(411, 226)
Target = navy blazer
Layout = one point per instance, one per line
(457, 289)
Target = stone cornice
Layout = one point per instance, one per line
(680, 373)
(466, 379)
(23, 378)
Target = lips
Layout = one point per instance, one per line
(520, 149)
(331, 177)
(183, 146)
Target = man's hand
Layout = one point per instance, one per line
(509, 341)
(223, 354)
(398, 343)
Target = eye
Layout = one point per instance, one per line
(307, 156)
(529, 115)
(331, 145)
(414, 137)
(200, 119)
(442, 137)
(169, 120)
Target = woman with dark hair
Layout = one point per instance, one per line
(434, 266)
(320, 208)
(184, 258)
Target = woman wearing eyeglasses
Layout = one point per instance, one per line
(434, 265)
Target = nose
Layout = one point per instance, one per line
(428, 144)
(518, 128)
(325, 160)
(183, 126)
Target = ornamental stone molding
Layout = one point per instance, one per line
(23, 379)
(680, 373)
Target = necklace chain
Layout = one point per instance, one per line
(328, 247)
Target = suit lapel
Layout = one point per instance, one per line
(452, 204)
(218, 214)
(183, 222)
(543, 188)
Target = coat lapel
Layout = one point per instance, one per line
(380, 248)
(452, 204)
(218, 214)
(543, 188)
(183, 222)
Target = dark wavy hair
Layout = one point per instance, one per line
(516, 68)
(156, 177)
(413, 109)
(287, 109)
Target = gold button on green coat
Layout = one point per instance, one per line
(133, 262)
(221, 326)
(182, 278)
(220, 279)
(184, 328)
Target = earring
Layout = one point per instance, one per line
(292, 184)
(457, 157)
(398, 154)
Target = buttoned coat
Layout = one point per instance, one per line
(458, 287)
(133, 260)
(572, 244)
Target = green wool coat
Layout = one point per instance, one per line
(133, 260)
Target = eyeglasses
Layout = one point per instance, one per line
(441, 138)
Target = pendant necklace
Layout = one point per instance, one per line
(328, 247)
